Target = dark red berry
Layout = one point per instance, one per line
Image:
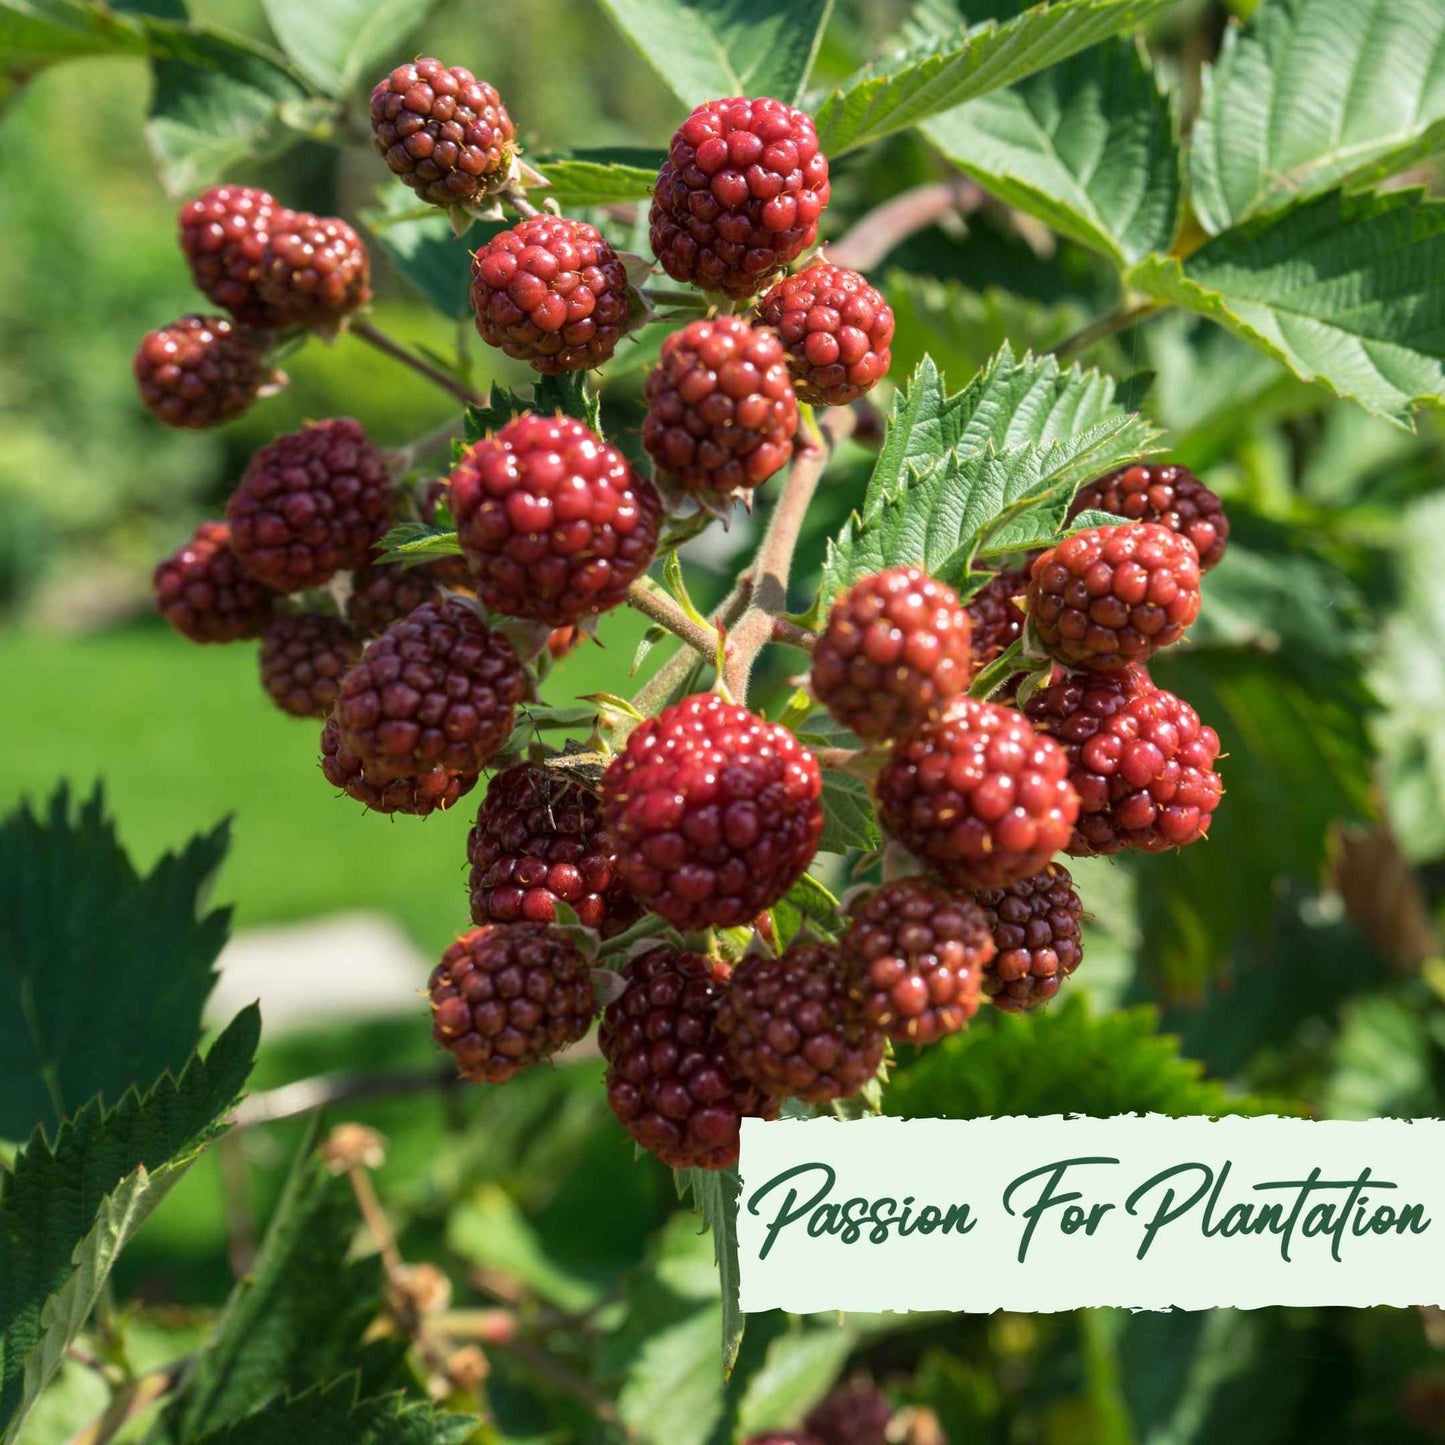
(836, 328)
(539, 840)
(315, 269)
(794, 1028)
(503, 999)
(551, 292)
(978, 797)
(303, 658)
(223, 235)
(206, 595)
(914, 955)
(894, 653)
(721, 413)
(739, 195)
(783, 1437)
(383, 592)
(309, 505)
(1172, 496)
(669, 1079)
(1109, 596)
(430, 792)
(1036, 932)
(852, 1414)
(438, 689)
(199, 371)
(1139, 758)
(713, 811)
(445, 133)
(997, 618)
(553, 521)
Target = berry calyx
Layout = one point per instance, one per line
(739, 195)
(721, 412)
(304, 656)
(205, 594)
(223, 235)
(430, 792)
(794, 1028)
(315, 270)
(714, 813)
(199, 371)
(309, 505)
(669, 1079)
(551, 292)
(538, 841)
(1037, 938)
(914, 955)
(1169, 495)
(381, 593)
(504, 999)
(836, 328)
(1109, 596)
(978, 796)
(895, 651)
(552, 520)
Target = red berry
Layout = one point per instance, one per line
(669, 1079)
(315, 269)
(438, 689)
(998, 620)
(538, 840)
(562, 640)
(1139, 758)
(198, 372)
(836, 328)
(223, 235)
(303, 658)
(978, 797)
(309, 505)
(383, 592)
(1171, 496)
(794, 1028)
(1109, 596)
(852, 1414)
(739, 195)
(915, 954)
(503, 999)
(205, 594)
(553, 521)
(431, 792)
(445, 133)
(895, 651)
(721, 413)
(714, 812)
(551, 292)
(1036, 931)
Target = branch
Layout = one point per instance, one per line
(307, 1095)
(653, 602)
(365, 331)
(869, 240)
(672, 672)
(1120, 319)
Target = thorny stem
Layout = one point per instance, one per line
(653, 602)
(365, 331)
(795, 636)
(877, 232)
(1119, 319)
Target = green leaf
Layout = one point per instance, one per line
(335, 42)
(592, 178)
(412, 543)
(1315, 94)
(795, 1374)
(940, 74)
(570, 395)
(1087, 146)
(705, 49)
(807, 901)
(38, 32)
(67, 1209)
(715, 1193)
(428, 253)
(75, 916)
(1343, 290)
(502, 405)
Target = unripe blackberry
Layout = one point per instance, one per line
(978, 797)
(309, 505)
(553, 521)
(997, 619)
(205, 594)
(721, 413)
(315, 270)
(198, 372)
(794, 1028)
(669, 1079)
(539, 840)
(1037, 934)
(1171, 496)
(430, 792)
(914, 955)
(739, 195)
(1139, 758)
(894, 653)
(504, 999)
(551, 292)
(223, 235)
(438, 689)
(442, 131)
(714, 812)
(1109, 596)
(852, 1414)
(303, 658)
(384, 592)
(836, 328)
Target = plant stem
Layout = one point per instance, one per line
(520, 204)
(365, 331)
(876, 233)
(672, 672)
(1003, 667)
(793, 635)
(1119, 319)
(305, 1096)
(653, 602)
